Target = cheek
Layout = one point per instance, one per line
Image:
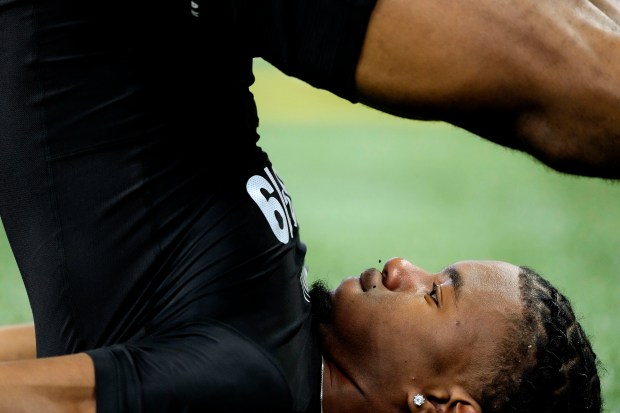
(385, 326)
(354, 316)
(365, 323)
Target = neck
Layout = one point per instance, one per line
(322, 375)
(340, 393)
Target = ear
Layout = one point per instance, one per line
(442, 400)
(465, 408)
(427, 406)
(463, 401)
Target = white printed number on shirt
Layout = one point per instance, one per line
(275, 203)
(195, 9)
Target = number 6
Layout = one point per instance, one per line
(270, 206)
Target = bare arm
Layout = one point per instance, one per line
(539, 76)
(17, 342)
(58, 384)
(53, 385)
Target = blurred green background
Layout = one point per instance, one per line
(367, 186)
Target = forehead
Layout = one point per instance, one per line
(498, 278)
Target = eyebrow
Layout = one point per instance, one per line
(457, 280)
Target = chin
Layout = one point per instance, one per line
(322, 304)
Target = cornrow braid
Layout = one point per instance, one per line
(549, 365)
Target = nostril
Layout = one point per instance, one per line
(392, 274)
(400, 274)
(392, 263)
(392, 280)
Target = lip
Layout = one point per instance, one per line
(371, 278)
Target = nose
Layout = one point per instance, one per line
(401, 275)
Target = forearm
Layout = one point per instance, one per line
(52, 385)
(539, 76)
(17, 342)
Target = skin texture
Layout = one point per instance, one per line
(539, 76)
(58, 384)
(391, 338)
(53, 385)
(17, 342)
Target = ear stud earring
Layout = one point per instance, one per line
(418, 400)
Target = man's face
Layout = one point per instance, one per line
(403, 331)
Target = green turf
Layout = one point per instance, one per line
(367, 186)
(14, 306)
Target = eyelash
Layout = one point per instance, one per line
(433, 293)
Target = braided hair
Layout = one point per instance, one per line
(547, 364)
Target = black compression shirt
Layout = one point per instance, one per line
(150, 229)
